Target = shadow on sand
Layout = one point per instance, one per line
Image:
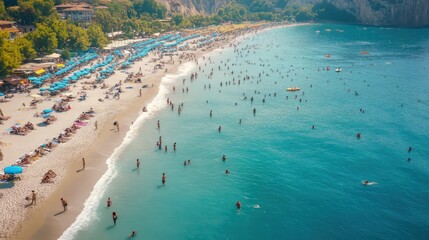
(59, 213)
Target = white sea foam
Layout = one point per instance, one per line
(89, 211)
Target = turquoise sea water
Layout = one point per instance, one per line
(294, 182)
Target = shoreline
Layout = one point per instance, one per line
(44, 220)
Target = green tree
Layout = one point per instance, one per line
(78, 38)
(25, 47)
(10, 57)
(305, 13)
(150, 7)
(177, 19)
(9, 3)
(96, 36)
(3, 13)
(29, 12)
(65, 55)
(59, 27)
(44, 39)
(105, 20)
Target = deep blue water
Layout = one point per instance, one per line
(307, 182)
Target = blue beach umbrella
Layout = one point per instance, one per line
(1, 94)
(46, 115)
(48, 110)
(13, 170)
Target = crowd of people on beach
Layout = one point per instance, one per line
(232, 78)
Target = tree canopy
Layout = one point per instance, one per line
(44, 39)
(132, 17)
(96, 36)
(10, 57)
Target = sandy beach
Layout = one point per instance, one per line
(45, 219)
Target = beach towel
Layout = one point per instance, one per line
(80, 123)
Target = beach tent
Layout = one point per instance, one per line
(13, 170)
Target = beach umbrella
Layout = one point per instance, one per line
(48, 110)
(46, 115)
(13, 170)
(1, 94)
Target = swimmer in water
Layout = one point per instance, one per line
(226, 171)
(238, 205)
(224, 158)
(115, 217)
(133, 233)
(368, 183)
(163, 178)
(109, 202)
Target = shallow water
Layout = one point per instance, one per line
(294, 182)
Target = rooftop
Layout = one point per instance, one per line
(70, 5)
(4, 22)
(74, 9)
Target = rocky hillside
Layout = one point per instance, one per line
(410, 13)
(192, 7)
(386, 12)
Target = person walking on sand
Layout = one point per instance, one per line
(64, 203)
(159, 125)
(115, 217)
(33, 197)
(116, 124)
(96, 125)
(138, 163)
(83, 163)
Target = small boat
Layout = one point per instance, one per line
(338, 70)
(293, 89)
